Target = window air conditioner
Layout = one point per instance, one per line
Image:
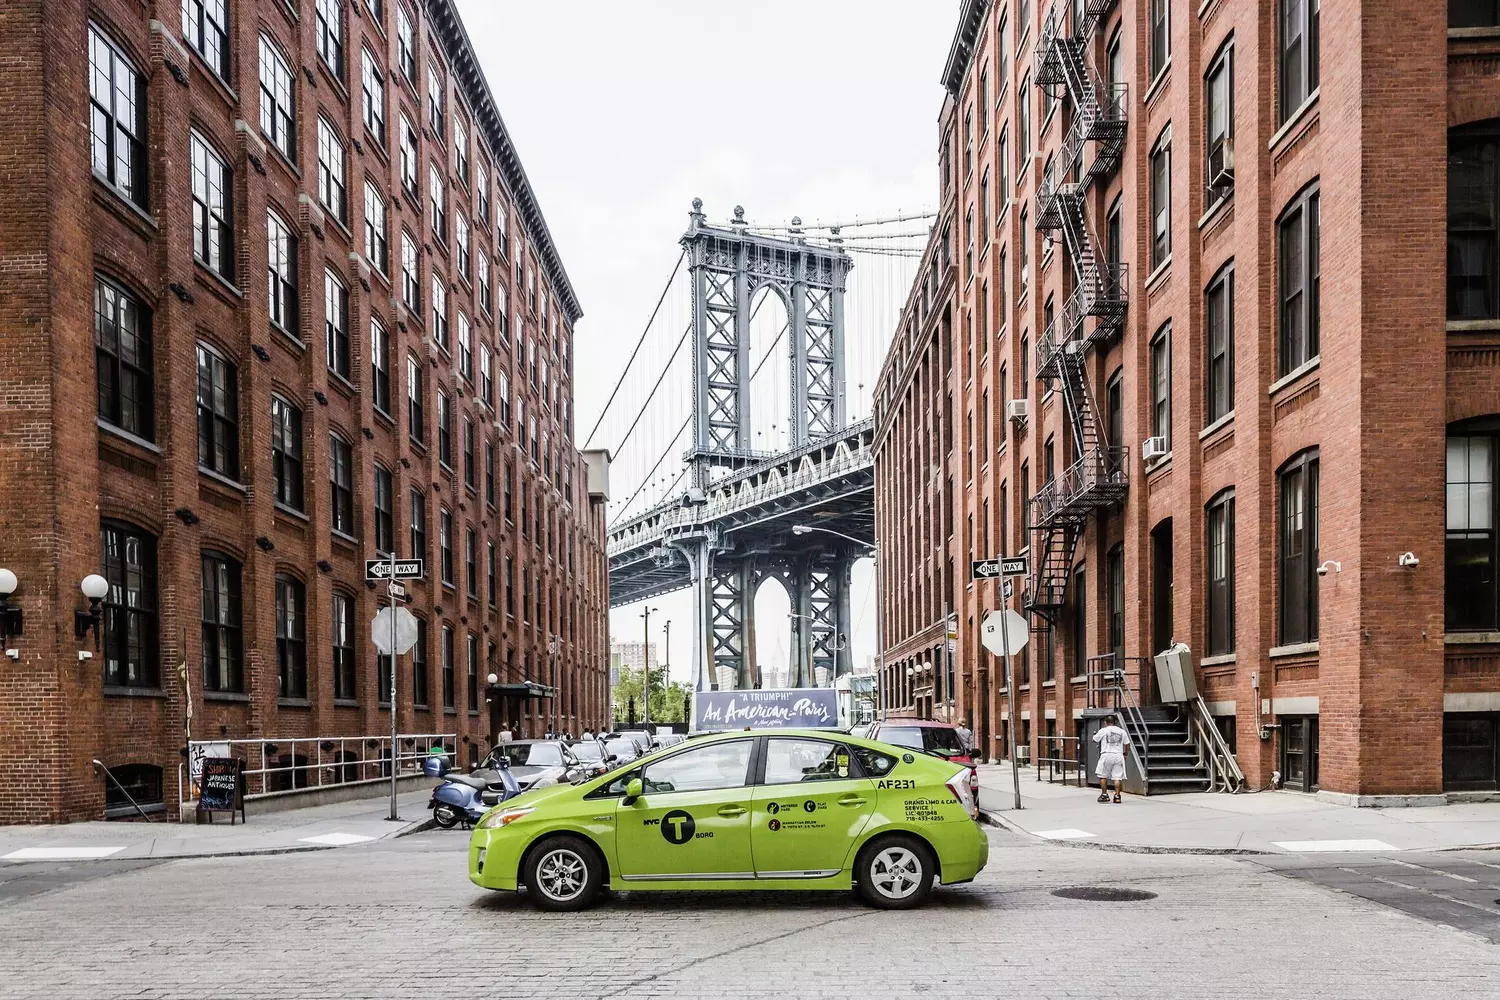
(1153, 448)
(1221, 167)
(1018, 410)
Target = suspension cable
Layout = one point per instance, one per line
(652, 395)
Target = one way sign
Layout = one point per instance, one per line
(989, 569)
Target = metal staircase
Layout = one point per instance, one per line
(1094, 311)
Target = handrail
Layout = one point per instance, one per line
(326, 760)
(1108, 685)
(1222, 763)
(99, 765)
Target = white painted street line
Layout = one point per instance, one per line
(61, 853)
(1435, 871)
(1430, 892)
(335, 839)
(1064, 834)
(1330, 846)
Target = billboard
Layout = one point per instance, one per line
(783, 708)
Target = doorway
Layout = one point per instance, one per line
(1471, 752)
(1299, 752)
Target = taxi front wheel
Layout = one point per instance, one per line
(563, 873)
(895, 872)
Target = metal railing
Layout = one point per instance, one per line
(1109, 687)
(1099, 467)
(1224, 774)
(285, 765)
(1059, 754)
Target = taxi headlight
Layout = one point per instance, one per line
(497, 818)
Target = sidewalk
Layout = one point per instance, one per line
(341, 824)
(1273, 822)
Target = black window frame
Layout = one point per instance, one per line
(133, 187)
(213, 206)
(384, 503)
(1219, 570)
(221, 621)
(380, 365)
(1474, 155)
(205, 36)
(416, 428)
(1297, 549)
(377, 229)
(1161, 384)
(218, 413)
(471, 562)
(124, 358)
(288, 486)
(1161, 199)
(329, 37)
(340, 483)
(1473, 13)
(1159, 37)
(444, 429)
(1218, 347)
(128, 624)
(1298, 240)
(345, 670)
(1296, 55)
(336, 324)
(1471, 597)
(291, 637)
(1218, 138)
(372, 93)
(447, 652)
(278, 98)
(281, 274)
(419, 686)
(417, 535)
(445, 545)
(471, 646)
(471, 480)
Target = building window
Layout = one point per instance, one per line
(460, 149)
(489, 473)
(385, 506)
(1473, 177)
(330, 35)
(1161, 36)
(509, 488)
(486, 377)
(1080, 621)
(473, 672)
(380, 365)
(409, 159)
(1221, 574)
(286, 453)
(341, 483)
(377, 247)
(461, 245)
(1473, 13)
(439, 310)
(291, 637)
(1297, 549)
(438, 193)
(332, 191)
(218, 414)
(470, 474)
(1161, 200)
(406, 45)
(471, 562)
(502, 312)
(1114, 409)
(1298, 276)
(222, 661)
(129, 607)
(336, 324)
(122, 360)
(205, 27)
(1298, 41)
(419, 666)
(281, 273)
(411, 274)
(444, 429)
(465, 349)
(343, 647)
(212, 233)
(117, 97)
(504, 396)
(414, 421)
(1470, 589)
(1219, 90)
(489, 571)
(435, 104)
(445, 546)
(418, 525)
(372, 85)
(1115, 585)
(1219, 349)
(1161, 385)
(133, 785)
(447, 667)
(482, 270)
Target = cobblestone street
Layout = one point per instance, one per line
(400, 919)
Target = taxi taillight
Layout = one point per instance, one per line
(959, 786)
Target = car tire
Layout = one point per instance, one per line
(445, 816)
(895, 872)
(563, 873)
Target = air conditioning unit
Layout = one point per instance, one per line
(1018, 410)
(1221, 167)
(1153, 448)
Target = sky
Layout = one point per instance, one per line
(622, 113)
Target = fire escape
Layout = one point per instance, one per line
(1093, 314)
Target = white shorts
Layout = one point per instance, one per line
(1111, 766)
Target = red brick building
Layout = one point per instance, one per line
(1314, 514)
(276, 296)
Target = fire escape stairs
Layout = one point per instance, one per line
(1093, 315)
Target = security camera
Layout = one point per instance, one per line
(1408, 559)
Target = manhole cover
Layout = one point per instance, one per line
(1104, 894)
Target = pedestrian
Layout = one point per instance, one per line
(965, 736)
(1112, 742)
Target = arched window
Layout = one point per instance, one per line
(129, 625)
(1297, 549)
(1220, 539)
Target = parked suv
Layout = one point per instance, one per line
(930, 737)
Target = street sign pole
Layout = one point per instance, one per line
(392, 593)
(1010, 682)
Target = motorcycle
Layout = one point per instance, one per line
(464, 798)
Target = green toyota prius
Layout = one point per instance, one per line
(774, 809)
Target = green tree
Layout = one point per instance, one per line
(666, 696)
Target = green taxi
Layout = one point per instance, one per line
(772, 809)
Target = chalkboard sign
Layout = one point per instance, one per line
(219, 788)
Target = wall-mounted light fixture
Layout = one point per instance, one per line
(94, 587)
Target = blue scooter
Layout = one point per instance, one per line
(464, 798)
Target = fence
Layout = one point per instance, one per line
(1059, 755)
(283, 765)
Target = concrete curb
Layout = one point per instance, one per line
(1094, 845)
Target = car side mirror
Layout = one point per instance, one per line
(634, 789)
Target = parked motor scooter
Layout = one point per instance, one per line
(464, 798)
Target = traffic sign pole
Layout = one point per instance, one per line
(1010, 682)
(392, 577)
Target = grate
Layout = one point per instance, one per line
(1104, 894)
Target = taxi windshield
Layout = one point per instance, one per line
(930, 739)
(622, 748)
(587, 751)
(532, 754)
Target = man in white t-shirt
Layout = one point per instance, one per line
(1112, 742)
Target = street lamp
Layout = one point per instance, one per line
(803, 529)
(646, 670)
(10, 618)
(94, 587)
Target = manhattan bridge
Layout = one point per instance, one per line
(747, 458)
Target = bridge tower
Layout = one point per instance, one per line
(728, 268)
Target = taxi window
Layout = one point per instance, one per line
(789, 759)
(875, 763)
(718, 765)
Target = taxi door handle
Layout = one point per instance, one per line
(729, 812)
(851, 800)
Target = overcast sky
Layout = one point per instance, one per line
(624, 112)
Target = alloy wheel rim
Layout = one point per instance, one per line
(561, 874)
(896, 872)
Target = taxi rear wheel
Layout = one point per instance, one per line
(895, 872)
(563, 873)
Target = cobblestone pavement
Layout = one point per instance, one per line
(400, 919)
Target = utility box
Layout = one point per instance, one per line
(596, 464)
(1174, 675)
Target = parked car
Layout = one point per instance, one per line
(665, 740)
(644, 739)
(592, 755)
(621, 750)
(537, 763)
(931, 737)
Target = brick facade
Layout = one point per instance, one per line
(63, 226)
(1390, 376)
